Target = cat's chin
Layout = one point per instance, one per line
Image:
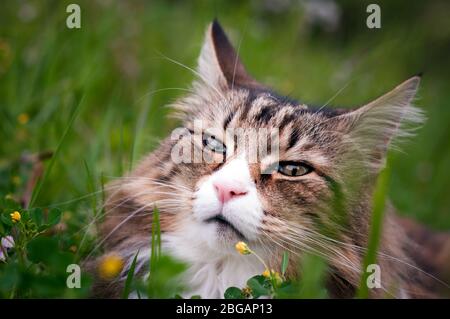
(225, 229)
(228, 235)
(225, 236)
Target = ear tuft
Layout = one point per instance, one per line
(372, 127)
(219, 64)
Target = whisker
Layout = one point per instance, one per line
(118, 226)
(333, 97)
(153, 180)
(193, 71)
(164, 89)
(380, 254)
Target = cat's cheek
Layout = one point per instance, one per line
(205, 204)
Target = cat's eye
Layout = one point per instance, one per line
(293, 168)
(213, 144)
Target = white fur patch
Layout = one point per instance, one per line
(214, 265)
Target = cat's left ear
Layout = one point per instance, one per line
(371, 127)
(219, 65)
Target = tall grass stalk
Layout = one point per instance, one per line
(156, 240)
(130, 276)
(378, 207)
(40, 183)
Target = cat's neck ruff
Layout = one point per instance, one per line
(210, 272)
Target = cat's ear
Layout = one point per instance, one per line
(372, 127)
(219, 65)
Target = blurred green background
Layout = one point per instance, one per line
(306, 49)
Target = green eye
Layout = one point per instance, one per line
(294, 168)
(213, 144)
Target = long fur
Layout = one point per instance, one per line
(346, 149)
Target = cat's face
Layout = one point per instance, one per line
(240, 198)
(313, 194)
(313, 187)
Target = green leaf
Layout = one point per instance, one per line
(6, 219)
(164, 280)
(54, 216)
(11, 204)
(128, 282)
(37, 216)
(284, 262)
(41, 249)
(233, 293)
(9, 276)
(286, 290)
(258, 287)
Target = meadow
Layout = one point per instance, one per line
(80, 107)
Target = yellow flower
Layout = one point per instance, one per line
(266, 273)
(110, 267)
(16, 180)
(242, 248)
(15, 217)
(273, 275)
(23, 118)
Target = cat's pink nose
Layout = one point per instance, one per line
(227, 190)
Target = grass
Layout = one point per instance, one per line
(95, 97)
(378, 204)
(41, 181)
(128, 283)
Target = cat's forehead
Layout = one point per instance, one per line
(249, 108)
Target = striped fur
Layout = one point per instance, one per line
(326, 212)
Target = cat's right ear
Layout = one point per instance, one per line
(371, 128)
(219, 66)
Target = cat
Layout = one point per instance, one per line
(317, 198)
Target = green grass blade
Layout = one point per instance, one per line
(156, 238)
(314, 271)
(378, 202)
(155, 244)
(130, 276)
(121, 150)
(91, 188)
(141, 122)
(38, 188)
(284, 262)
(158, 230)
(103, 182)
